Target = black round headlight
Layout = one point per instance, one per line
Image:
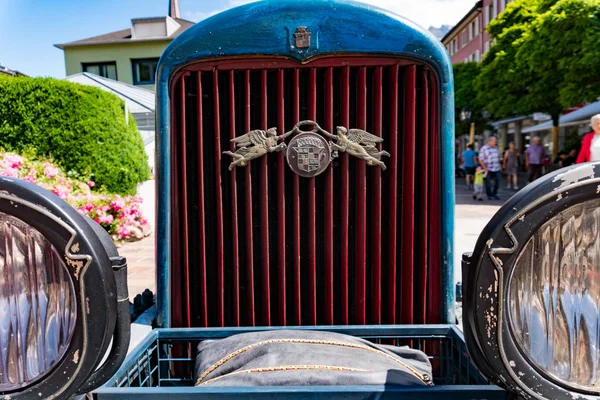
(61, 292)
(532, 289)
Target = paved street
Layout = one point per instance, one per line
(470, 219)
(471, 216)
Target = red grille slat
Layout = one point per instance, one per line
(392, 194)
(264, 213)
(220, 260)
(376, 203)
(312, 210)
(407, 233)
(184, 208)
(234, 212)
(177, 260)
(281, 231)
(249, 200)
(344, 205)
(328, 203)
(361, 204)
(296, 210)
(434, 312)
(422, 240)
(337, 248)
(203, 303)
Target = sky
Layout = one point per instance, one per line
(29, 29)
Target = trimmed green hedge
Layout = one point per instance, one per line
(81, 127)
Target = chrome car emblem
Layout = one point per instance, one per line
(308, 154)
(312, 154)
(302, 38)
(255, 144)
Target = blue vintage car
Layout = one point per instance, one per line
(305, 175)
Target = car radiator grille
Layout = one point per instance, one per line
(262, 246)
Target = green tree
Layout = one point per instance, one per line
(563, 47)
(502, 83)
(465, 98)
(544, 60)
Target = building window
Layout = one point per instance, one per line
(477, 56)
(486, 47)
(104, 69)
(474, 28)
(144, 71)
(493, 11)
(464, 38)
(489, 14)
(486, 17)
(454, 46)
(502, 5)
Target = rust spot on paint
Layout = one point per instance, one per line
(76, 265)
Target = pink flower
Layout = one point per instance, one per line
(91, 184)
(106, 219)
(61, 191)
(50, 170)
(117, 204)
(29, 178)
(123, 231)
(9, 172)
(13, 160)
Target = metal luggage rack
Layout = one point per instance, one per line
(163, 363)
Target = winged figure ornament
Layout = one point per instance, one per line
(255, 144)
(359, 143)
(356, 142)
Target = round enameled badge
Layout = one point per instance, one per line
(308, 154)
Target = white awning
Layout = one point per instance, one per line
(577, 117)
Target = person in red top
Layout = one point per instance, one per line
(590, 147)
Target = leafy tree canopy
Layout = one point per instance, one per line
(503, 83)
(545, 58)
(465, 97)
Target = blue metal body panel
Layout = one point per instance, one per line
(265, 29)
(141, 359)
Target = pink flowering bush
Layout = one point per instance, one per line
(121, 216)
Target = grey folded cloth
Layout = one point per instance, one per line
(298, 358)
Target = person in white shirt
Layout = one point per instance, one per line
(590, 147)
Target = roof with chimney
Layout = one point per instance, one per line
(142, 30)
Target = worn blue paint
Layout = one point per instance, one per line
(265, 28)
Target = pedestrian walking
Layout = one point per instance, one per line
(511, 165)
(534, 159)
(560, 160)
(590, 147)
(469, 160)
(489, 158)
(478, 184)
(571, 158)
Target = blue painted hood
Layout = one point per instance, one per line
(267, 28)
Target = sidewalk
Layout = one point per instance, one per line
(465, 196)
(141, 265)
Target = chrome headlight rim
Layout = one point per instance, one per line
(94, 287)
(487, 281)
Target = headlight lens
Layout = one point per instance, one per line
(37, 305)
(554, 297)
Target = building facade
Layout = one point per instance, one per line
(468, 40)
(129, 55)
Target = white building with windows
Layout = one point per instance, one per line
(129, 55)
